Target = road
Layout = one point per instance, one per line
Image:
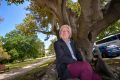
(118, 57)
(12, 74)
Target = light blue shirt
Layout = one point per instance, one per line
(71, 51)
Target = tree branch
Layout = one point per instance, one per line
(54, 6)
(111, 13)
(90, 10)
(86, 9)
(64, 13)
(90, 13)
(44, 32)
(54, 27)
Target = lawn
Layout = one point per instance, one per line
(35, 73)
(17, 65)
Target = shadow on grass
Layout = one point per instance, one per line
(35, 73)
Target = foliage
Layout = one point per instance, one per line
(51, 48)
(112, 29)
(23, 43)
(21, 47)
(74, 6)
(43, 18)
(28, 26)
(16, 1)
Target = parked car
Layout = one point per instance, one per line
(113, 50)
(108, 51)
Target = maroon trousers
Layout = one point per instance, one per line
(83, 70)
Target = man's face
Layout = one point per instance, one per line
(65, 34)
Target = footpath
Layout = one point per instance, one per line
(12, 74)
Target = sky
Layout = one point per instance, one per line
(13, 15)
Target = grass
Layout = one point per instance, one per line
(31, 61)
(111, 61)
(34, 73)
(16, 65)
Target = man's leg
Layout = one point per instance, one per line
(81, 69)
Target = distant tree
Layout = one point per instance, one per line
(29, 27)
(39, 45)
(112, 29)
(21, 47)
(50, 50)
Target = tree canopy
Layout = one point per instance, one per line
(87, 18)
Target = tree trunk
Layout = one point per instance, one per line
(85, 46)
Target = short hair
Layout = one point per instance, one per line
(66, 26)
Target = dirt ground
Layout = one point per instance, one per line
(115, 67)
